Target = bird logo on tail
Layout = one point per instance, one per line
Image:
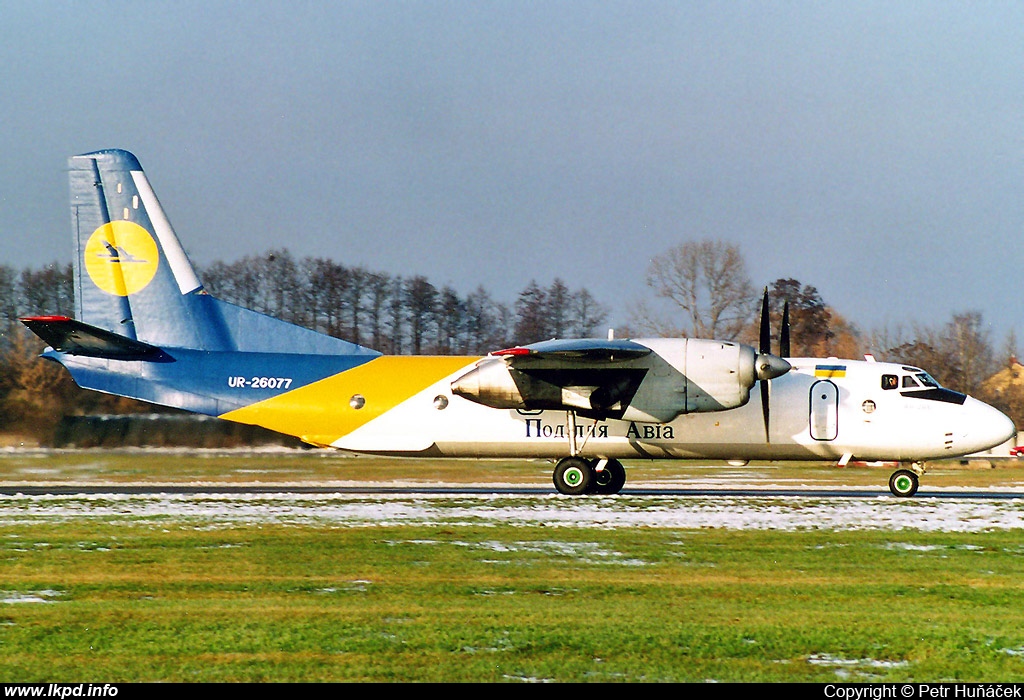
(121, 258)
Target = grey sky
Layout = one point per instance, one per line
(874, 150)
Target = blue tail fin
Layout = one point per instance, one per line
(133, 278)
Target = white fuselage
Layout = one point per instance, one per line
(820, 409)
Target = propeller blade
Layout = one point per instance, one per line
(784, 332)
(766, 330)
(770, 366)
(765, 349)
(765, 408)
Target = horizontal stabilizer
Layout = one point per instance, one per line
(76, 338)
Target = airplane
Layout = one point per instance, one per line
(146, 328)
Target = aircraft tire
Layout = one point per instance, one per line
(903, 483)
(609, 480)
(573, 476)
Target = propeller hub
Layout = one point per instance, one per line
(770, 366)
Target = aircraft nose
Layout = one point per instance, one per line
(1003, 427)
(989, 427)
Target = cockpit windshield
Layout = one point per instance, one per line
(915, 380)
(917, 384)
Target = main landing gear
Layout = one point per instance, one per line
(904, 482)
(575, 476)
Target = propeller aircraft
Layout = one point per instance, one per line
(146, 328)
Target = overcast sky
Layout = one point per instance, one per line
(873, 150)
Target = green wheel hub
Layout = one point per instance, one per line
(903, 483)
(573, 477)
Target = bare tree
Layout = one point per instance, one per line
(587, 314)
(328, 283)
(353, 301)
(708, 289)
(451, 322)
(47, 291)
(558, 302)
(531, 315)
(378, 287)
(969, 343)
(8, 297)
(281, 286)
(396, 316)
(421, 309)
(487, 323)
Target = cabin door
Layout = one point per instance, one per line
(824, 420)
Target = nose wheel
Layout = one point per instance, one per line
(904, 483)
(575, 476)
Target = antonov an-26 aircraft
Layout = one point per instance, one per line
(147, 329)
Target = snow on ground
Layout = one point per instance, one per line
(662, 511)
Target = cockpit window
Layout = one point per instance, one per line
(920, 385)
(890, 381)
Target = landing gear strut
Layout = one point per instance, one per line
(575, 476)
(904, 482)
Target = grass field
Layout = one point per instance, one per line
(168, 598)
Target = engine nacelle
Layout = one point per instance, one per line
(681, 375)
(490, 383)
(690, 375)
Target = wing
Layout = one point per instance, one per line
(584, 349)
(650, 380)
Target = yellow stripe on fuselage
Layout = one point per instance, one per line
(322, 412)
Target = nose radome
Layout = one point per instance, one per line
(989, 427)
(1007, 429)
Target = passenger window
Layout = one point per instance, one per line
(910, 383)
(889, 381)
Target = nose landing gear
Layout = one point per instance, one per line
(904, 482)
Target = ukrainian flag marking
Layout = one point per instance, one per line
(830, 371)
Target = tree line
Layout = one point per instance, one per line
(390, 313)
(400, 315)
(696, 289)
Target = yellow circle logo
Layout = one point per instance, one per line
(121, 258)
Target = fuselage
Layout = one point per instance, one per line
(818, 410)
(404, 405)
